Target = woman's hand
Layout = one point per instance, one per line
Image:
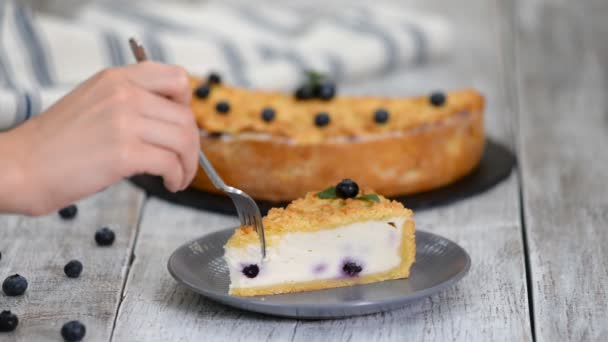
(122, 121)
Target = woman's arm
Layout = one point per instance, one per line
(120, 122)
(13, 186)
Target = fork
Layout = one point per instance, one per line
(247, 209)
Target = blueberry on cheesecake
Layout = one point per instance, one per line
(340, 236)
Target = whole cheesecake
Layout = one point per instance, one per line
(277, 146)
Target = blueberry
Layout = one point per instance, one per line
(322, 119)
(73, 269)
(104, 236)
(347, 188)
(437, 99)
(351, 269)
(305, 92)
(251, 271)
(381, 116)
(202, 91)
(8, 321)
(214, 78)
(326, 91)
(68, 212)
(222, 107)
(14, 285)
(73, 331)
(268, 114)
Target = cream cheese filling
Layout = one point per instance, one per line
(305, 256)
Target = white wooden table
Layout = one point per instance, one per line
(537, 240)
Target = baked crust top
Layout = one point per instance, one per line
(350, 116)
(311, 213)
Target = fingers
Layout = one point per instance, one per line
(183, 142)
(158, 161)
(157, 107)
(150, 106)
(163, 79)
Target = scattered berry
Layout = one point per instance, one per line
(347, 188)
(222, 107)
(351, 269)
(8, 321)
(68, 212)
(322, 119)
(14, 285)
(73, 331)
(305, 92)
(214, 78)
(202, 91)
(268, 114)
(251, 271)
(73, 269)
(104, 236)
(437, 99)
(381, 116)
(326, 91)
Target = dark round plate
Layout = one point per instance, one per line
(440, 263)
(495, 165)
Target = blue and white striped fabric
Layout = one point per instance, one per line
(262, 45)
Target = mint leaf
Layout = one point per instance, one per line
(313, 78)
(369, 197)
(328, 193)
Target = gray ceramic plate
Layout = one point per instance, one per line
(440, 263)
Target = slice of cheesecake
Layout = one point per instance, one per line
(338, 237)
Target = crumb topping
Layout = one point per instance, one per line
(348, 116)
(311, 213)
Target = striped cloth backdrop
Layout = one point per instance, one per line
(254, 45)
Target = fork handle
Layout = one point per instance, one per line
(210, 171)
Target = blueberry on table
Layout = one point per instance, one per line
(381, 116)
(8, 321)
(322, 119)
(437, 99)
(326, 91)
(73, 331)
(347, 188)
(104, 236)
(214, 78)
(14, 285)
(305, 92)
(351, 269)
(202, 92)
(268, 114)
(68, 212)
(251, 271)
(222, 107)
(73, 269)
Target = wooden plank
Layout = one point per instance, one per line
(563, 81)
(156, 308)
(489, 304)
(38, 248)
